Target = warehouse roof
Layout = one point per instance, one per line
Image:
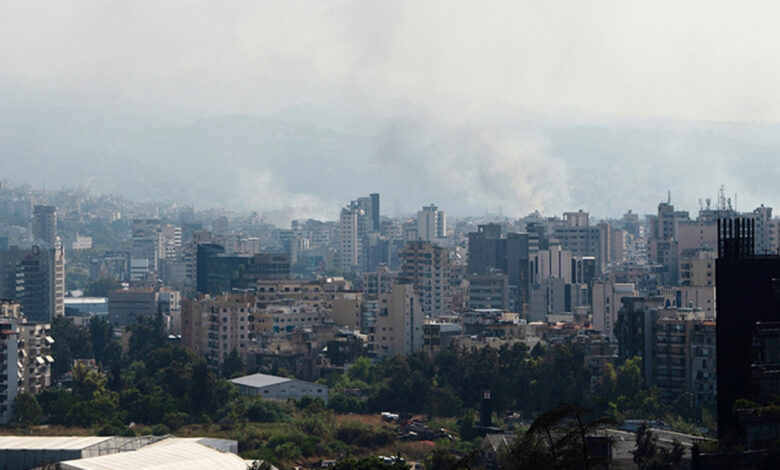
(259, 380)
(169, 454)
(50, 443)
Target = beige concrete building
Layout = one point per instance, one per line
(697, 267)
(428, 267)
(431, 223)
(606, 304)
(214, 327)
(698, 297)
(398, 326)
(350, 243)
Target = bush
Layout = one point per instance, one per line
(175, 420)
(364, 436)
(342, 403)
(263, 411)
(304, 443)
(160, 430)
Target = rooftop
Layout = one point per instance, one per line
(259, 380)
(50, 443)
(169, 454)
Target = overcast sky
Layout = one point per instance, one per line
(715, 60)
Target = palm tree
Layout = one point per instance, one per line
(558, 439)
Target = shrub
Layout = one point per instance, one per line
(364, 436)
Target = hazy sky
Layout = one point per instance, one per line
(698, 59)
(436, 86)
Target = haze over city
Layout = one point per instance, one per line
(508, 108)
(389, 235)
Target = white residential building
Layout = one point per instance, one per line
(431, 223)
(398, 326)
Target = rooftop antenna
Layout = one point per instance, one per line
(668, 196)
(701, 205)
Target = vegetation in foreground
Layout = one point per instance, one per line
(157, 388)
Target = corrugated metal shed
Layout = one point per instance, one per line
(169, 454)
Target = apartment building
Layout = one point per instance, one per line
(428, 267)
(215, 326)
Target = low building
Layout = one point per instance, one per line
(101, 452)
(125, 306)
(437, 335)
(167, 454)
(279, 388)
(86, 306)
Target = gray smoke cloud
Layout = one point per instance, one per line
(476, 167)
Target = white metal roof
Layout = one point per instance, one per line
(259, 380)
(85, 300)
(173, 455)
(50, 443)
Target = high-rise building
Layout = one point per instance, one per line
(428, 267)
(511, 255)
(662, 241)
(171, 242)
(357, 221)
(350, 243)
(45, 225)
(582, 239)
(489, 290)
(214, 327)
(606, 301)
(676, 345)
(148, 245)
(25, 365)
(431, 223)
(375, 211)
(748, 296)
(9, 366)
(35, 356)
(35, 278)
(219, 273)
(766, 242)
(398, 325)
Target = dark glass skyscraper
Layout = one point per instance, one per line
(748, 297)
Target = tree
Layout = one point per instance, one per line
(233, 366)
(371, 463)
(101, 287)
(146, 335)
(27, 411)
(101, 336)
(94, 403)
(466, 428)
(70, 342)
(441, 459)
(557, 440)
(650, 456)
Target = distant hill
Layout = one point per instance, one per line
(303, 163)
